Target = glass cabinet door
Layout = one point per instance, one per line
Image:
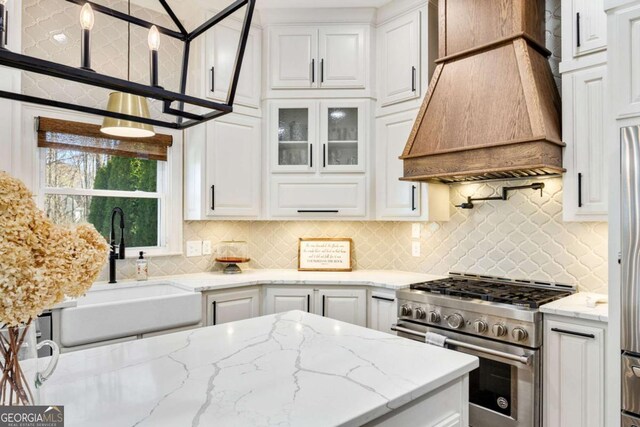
(343, 136)
(294, 134)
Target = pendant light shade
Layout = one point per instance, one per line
(134, 105)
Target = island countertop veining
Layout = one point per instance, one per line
(292, 368)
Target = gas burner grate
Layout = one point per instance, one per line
(487, 290)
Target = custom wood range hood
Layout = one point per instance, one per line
(492, 110)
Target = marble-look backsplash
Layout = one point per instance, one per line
(523, 237)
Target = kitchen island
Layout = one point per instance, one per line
(292, 368)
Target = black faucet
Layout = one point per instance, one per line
(119, 252)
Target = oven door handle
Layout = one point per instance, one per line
(525, 360)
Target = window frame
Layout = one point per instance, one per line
(168, 190)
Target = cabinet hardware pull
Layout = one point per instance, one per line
(413, 198)
(213, 304)
(323, 300)
(324, 155)
(578, 334)
(213, 197)
(579, 189)
(313, 70)
(318, 211)
(308, 303)
(322, 70)
(578, 29)
(413, 79)
(213, 79)
(310, 155)
(382, 298)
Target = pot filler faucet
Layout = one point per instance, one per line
(118, 253)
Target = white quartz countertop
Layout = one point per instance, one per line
(576, 306)
(210, 281)
(292, 368)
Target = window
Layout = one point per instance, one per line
(85, 174)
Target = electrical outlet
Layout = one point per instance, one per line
(415, 248)
(194, 248)
(206, 247)
(415, 230)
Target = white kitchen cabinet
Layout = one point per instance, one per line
(625, 60)
(346, 305)
(293, 136)
(221, 46)
(278, 300)
(399, 67)
(584, 28)
(383, 310)
(342, 56)
(574, 372)
(317, 197)
(343, 135)
(233, 166)
(328, 56)
(222, 168)
(402, 200)
(293, 56)
(232, 305)
(586, 182)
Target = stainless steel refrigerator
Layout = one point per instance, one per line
(630, 286)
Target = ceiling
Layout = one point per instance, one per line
(278, 4)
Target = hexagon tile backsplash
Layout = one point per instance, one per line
(523, 237)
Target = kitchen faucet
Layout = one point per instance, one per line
(119, 253)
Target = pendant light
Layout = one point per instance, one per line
(126, 103)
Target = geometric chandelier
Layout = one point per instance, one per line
(173, 102)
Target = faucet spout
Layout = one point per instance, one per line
(118, 253)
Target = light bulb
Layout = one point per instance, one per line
(154, 38)
(86, 17)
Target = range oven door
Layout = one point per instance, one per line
(505, 389)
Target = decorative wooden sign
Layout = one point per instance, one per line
(324, 254)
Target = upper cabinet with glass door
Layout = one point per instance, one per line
(343, 135)
(292, 135)
(220, 53)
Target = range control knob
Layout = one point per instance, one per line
(456, 321)
(480, 326)
(405, 310)
(420, 313)
(434, 317)
(499, 330)
(519, 334)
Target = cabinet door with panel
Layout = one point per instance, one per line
(584, 27)
(402, 200)
(231, 306)
(233, 166)
(278, 300)
(343, 135)
(586, 181)
(383, 310)
(318, 197)
(399, 59)
(220, 53)
(574, 374)
(292, 136)
(293, 55)
(626, 61)
(347, 305)
(342, 54)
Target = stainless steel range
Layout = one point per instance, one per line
(495, 319)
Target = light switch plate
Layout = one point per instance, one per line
(415, 230)
(206, 247)
(415, 248)
(194, 248)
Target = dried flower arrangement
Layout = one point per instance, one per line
(40, 264)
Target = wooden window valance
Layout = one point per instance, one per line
(68, 135)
